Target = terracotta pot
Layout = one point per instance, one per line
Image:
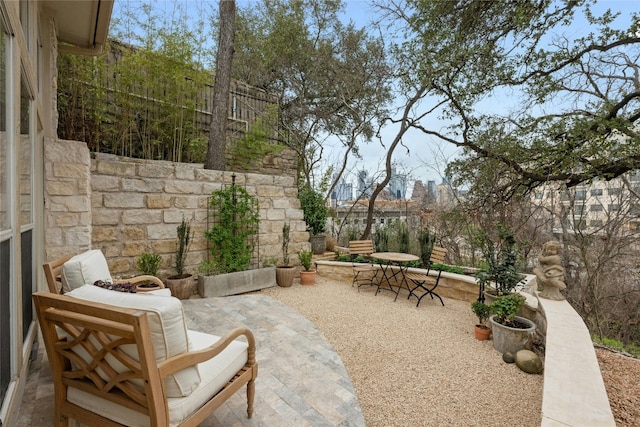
(181, 286)
(307, 277)
(285, 276)
(482, 332)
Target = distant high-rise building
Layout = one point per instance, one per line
(397, 185)
(419, 194)
(431, 192)
(342, 192)
(364, 184)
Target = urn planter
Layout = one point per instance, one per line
(318, 244)
(285, 275)
(510, 340)
(181, 286)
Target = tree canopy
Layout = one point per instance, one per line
(518, 89)
(331, 78)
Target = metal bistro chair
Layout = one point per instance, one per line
(424, 282)
(363, 274)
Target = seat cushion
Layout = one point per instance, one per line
(167, 326)
(215, 373)
(84, 269)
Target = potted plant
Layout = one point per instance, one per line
(501, 275)
(180, 283)
(315, 216)
(285, 273)
(482, 310)
(148, 264)
(308, 276)
(511, 333)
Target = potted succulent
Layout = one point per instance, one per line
(148, 264)
(285, 273)
(307, 276)
(315, 216)
(483, 311)
(511, 333)
(181, 283)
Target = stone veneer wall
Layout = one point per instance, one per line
(126, 206)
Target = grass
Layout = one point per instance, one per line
(614, 344)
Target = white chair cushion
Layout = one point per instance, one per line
(165, 292)
(167, 325)
(84, 269)
(215, 374)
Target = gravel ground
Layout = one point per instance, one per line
(621, 375)
(417, 366)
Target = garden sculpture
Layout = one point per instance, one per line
(549, 272)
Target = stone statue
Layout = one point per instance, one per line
(549, 272)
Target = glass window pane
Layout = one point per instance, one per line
(26, 154)
(4, 144)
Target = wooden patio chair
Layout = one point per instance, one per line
(424, 282)
(363, 274)
(84, 269)
(117, 365)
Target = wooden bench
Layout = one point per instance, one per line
(106, 370)
(425, 282)
(363, 274)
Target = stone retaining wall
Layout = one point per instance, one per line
(126, 206)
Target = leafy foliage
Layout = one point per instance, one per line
(279, 47)
(506, 307)
(561, 105)
(305, 259)
(502, 259)
(381, 239)
(184, 242)
(149, 263)
(426, 240)
(231, 235)
(481, 310)
(286, 238)
(314, 209)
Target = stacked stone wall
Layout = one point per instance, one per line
(126, 206)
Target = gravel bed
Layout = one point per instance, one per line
(621, 375)
(416, 366)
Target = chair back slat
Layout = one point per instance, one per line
(361, 247)
(437, 255)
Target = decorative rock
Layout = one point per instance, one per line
(529, 362)
(508, 357)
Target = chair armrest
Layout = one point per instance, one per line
(144, 278)
(191, 358)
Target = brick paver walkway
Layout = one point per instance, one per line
(301, 380)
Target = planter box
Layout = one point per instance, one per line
(236, 283)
